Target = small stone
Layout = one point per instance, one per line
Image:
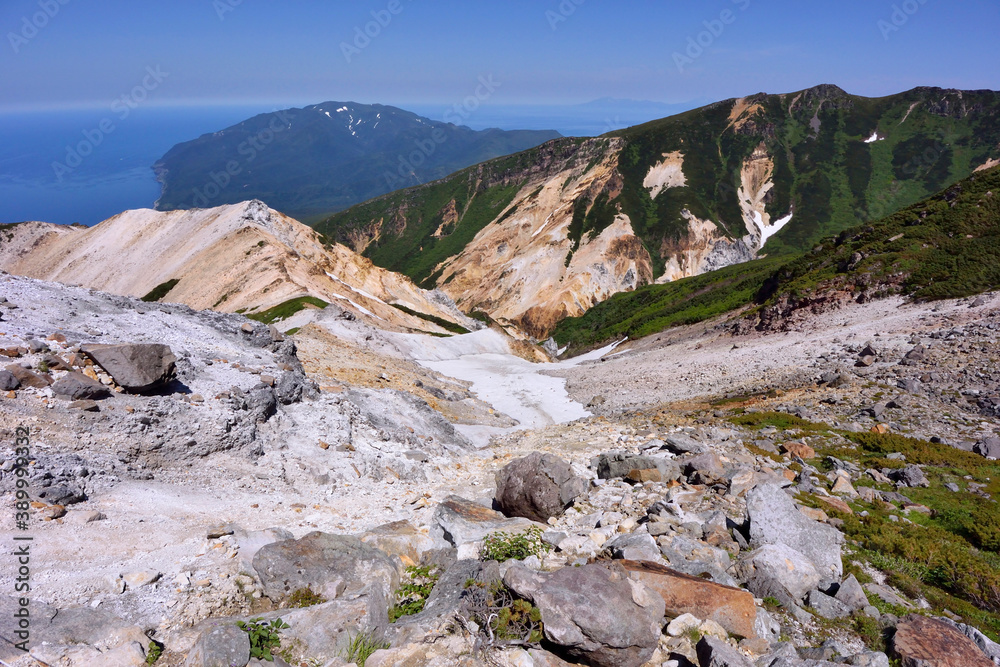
(268, 380)
(141, 578)
(682, 624)
(638, 476)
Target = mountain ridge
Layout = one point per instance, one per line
(687, 194)
(324, 157)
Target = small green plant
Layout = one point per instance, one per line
(505, 546)
(772, 602)
(43, 366)
(305, 597)
(502, 617)
(263, 636)
(412, 595)
(361, 647)
(154, 653)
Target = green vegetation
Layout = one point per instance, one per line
(285, 310)
(502, 546)
(443, 323)
(412, 595)
(305, 597)
(154, 653)
(264, 636)
(361, 647)
(161, 290)
(654, 308)
(495, 606)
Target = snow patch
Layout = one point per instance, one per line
(872, 139)
(341, 109)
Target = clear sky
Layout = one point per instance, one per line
(65, 53)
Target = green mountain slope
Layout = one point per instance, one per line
(311, 161)
(827, 159)
(945, 246)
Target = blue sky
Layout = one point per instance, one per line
(433, 52)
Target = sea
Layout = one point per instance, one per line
(86, 165)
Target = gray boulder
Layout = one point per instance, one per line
(537, 487)
(138, 368)
(593, 614)
(679, 443)
(619, 464)
(713, 652)
(224, 645)
(911, 475)
(826, 606)
(705, 468)
(851, 594)
(8, 382)
(633, 546)
(988, 447)
(330, 565)
(249, 543)
(77, 386)
(775, 568)
(774, 519)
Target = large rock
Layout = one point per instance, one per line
(8, 382)
(537, 487)
(26, 378)
(138, 368)
(399, 538)
(732, 608)
(458, 521)
(619, 464)
(926, 642)
(851, 594)
(594, 614)
(77, 386)
(988, 447)
(330, 565)
(249, 543)
(775, 567)
(223, 645)
(774, 519)
(324, 631)
(985, 644)
(910, 475)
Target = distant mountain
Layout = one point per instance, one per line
(323, 158)
(545, 234)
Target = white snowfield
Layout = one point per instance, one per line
(520, 389)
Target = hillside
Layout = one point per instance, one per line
(241, 258)
(311, 161)
(545, 234)
(946, 246)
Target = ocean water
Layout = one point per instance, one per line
(87, 165)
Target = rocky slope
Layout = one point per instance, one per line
(244, 257)
(788, 499)
(584, 219)
(309, 162)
